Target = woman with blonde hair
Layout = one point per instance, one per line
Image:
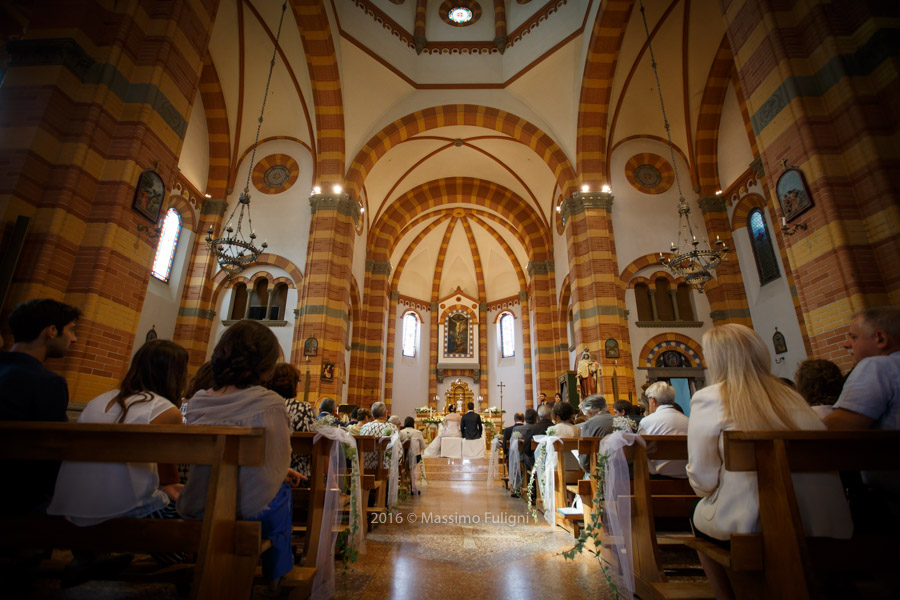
(744, 395)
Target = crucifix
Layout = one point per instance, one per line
(501, 385)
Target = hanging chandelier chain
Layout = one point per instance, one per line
(265, 97)
(661, 103)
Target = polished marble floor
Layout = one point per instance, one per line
(468, 540)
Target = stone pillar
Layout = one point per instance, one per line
(727, 295)
(81, 116)
(370, 359)
(653, 310)
(270, 293)
(526, 348)
(599, 300)
(325, 312)
(836, 133)
(543, 324)
(674, 295)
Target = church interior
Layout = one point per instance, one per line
(477, 200)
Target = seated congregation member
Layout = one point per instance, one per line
(202, 380)
(396, 422)
(820, 383)
(243, 359)
(664, 419)
(378, 427)
(327, 408)
(90, 493)
(544, 422)
(29, 391)
(744, 395)
(564, 416)
(284, 382)
(622, 420)
(409, 431)
(363, 417)
(518, 424)
(599, 423)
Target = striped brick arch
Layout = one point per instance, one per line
(461, 114)
(710, 114)
(649, 173)
(484, 194)
(270, 259)
(275, 173)
(184, 208)
(671, 341)
(742, 210)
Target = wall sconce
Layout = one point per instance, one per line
(793, 228)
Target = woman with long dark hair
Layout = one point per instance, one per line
(242, 361)
(90, 493)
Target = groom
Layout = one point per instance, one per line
(470, 424)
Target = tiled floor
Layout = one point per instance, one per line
(468, 540)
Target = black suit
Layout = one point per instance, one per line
(507, 435)
(470, 426)
(539, 428)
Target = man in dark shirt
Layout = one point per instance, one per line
(539, 428)
(41, 329)
(507, 433)
(470, 423)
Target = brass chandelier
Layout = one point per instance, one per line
(233, 251)
(689, 261)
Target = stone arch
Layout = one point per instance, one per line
(671, 341)
(710, 114)
(184, 208)
(460, 114)
(269, 259)
(742, 210)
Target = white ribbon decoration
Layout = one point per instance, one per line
(394, 471)
(616, 533)
(494, 463)
(515, 465)
(332, 516)
(546, 475)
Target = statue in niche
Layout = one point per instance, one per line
(457, 334)
(587, 373)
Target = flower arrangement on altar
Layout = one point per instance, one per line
(432, 420)
(488, 425)
(493, 410)
(423, 410)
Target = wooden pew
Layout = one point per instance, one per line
(373, 479)
(567, 482)
(227, 550)
(312, 501)
(660, 499)
(793, 564)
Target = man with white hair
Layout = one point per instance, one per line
(664, 419)
(599, 423)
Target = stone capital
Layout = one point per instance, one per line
(523, 295)
(434, 307)
(709, 204)
(395, 295)
(213, 206)
(342, 203)
(378, 268)
(540, 268)
(579, 202)
(757, 166)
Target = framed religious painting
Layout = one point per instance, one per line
(327, 371)
(310, 346)
(612, 348)
(149, 195)
(793, 193)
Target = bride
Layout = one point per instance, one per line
(449, 428)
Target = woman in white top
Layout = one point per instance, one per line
(89, 493)
(744, 395)
(449, 428)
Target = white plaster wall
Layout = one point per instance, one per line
(284, 334)
(511, 371)
(411, 377)
(194, 158)
(162, 300)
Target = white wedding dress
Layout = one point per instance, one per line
(449, 428)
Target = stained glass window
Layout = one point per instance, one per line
(460, 14)
(165, 250)
(507, 335)
(766, 264)
(410, 333)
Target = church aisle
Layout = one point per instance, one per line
(469, 541)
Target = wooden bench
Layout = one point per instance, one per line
(567, 483)
(793, 564)
(227, 549)
(373, 479)
(654, 499)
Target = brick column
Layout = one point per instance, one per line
(542, 296)
(526, 348)
(599, 301)
(728, 298)
(821, 83)
(325, 310)
(370, 359)
(84, 109)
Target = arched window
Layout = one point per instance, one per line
(168, 242)
(506, 332)
(239, 301)
(761, 242)
(410, 333)
(642, 299)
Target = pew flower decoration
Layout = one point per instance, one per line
(488, 426)
(517, 435)
(624, 424)
(540, 459)
(593, 530)
(551, 431)
(326, 421)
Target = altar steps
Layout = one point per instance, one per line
(456, 469)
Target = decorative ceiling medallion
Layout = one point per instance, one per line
(275, 173)
(649, 173)
(460, 13)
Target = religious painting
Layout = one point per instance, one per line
(149, 195)
(779, 342)
(310, 346)
(793, 194)
(456, 335)
(327, 371)
(612, 348)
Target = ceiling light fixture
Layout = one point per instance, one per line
(696, 265)
(234, 252)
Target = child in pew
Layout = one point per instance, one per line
(90, 493)
(743, 395)
(243, 359)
